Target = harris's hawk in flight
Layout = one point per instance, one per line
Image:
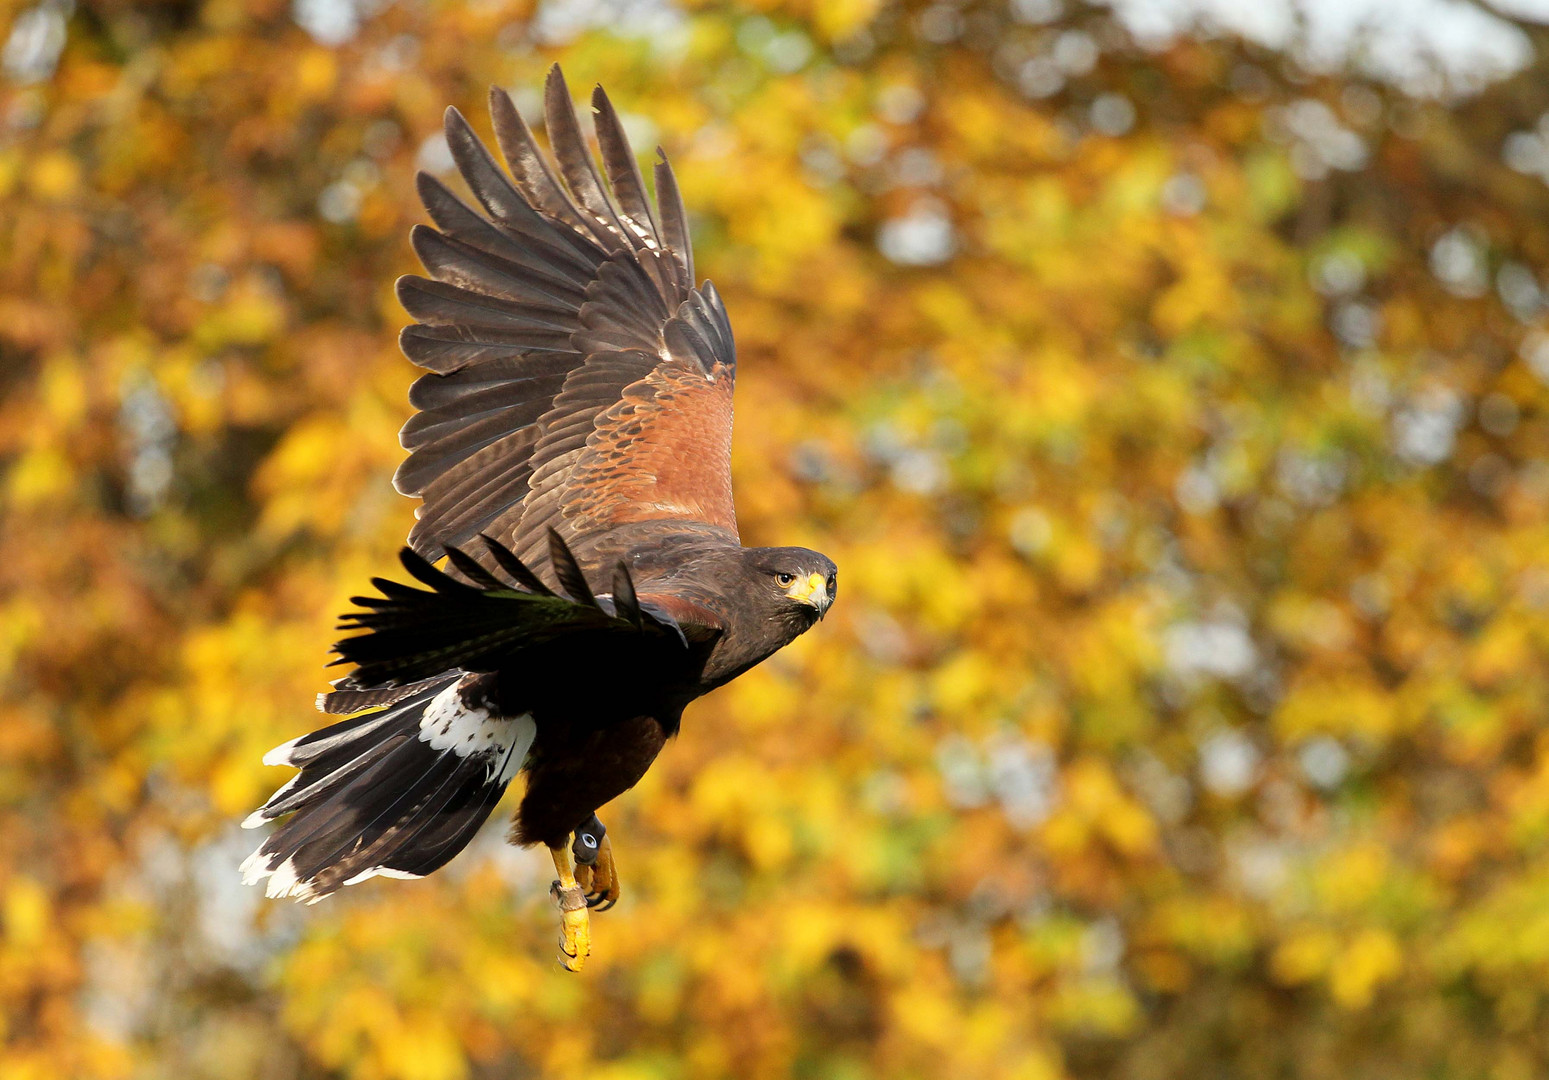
(572, 448)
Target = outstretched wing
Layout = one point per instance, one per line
(484, 620)
(579, 381)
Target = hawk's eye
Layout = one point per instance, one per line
(785, 580)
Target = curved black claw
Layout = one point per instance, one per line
(588, 841)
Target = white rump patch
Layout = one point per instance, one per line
(449, 723)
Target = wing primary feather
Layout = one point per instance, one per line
(568, 571)
(625, 602)
(502, 404)
(463, 502)
(531, 171)
(421, 570)
(469, 567)
(446, 350)
(392, 589)
(618, 160)
(439, 304)
(715, 318)
(529, 375)
(575, 161)
(539, 245)
(457, 218)
(459, 263)
(674, 216)
(514, 567)
(489, 185)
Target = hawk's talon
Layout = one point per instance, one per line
(601, 879)
(575, 942)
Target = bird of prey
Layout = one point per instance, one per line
(572, 448)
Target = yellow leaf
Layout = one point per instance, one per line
(1372, 959)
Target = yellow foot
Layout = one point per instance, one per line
(601, 879)
(575, 937)
(575, 941)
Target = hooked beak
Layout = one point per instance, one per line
(814, 591)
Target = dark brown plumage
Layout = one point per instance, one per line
(572, 450)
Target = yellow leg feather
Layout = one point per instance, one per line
(575, 942)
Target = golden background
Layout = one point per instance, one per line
(1177, 418)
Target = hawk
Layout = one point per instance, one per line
(572, 448)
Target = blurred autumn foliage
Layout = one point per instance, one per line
(1178, 420)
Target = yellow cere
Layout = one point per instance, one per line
(813, 590)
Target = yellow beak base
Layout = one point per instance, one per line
(814, 590)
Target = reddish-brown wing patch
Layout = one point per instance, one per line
(697, 621)
(663, 451)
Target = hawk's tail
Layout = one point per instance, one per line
(396, 792)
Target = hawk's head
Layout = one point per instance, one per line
(792, 585)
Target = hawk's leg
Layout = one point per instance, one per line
(575, 941)
(595, 868)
